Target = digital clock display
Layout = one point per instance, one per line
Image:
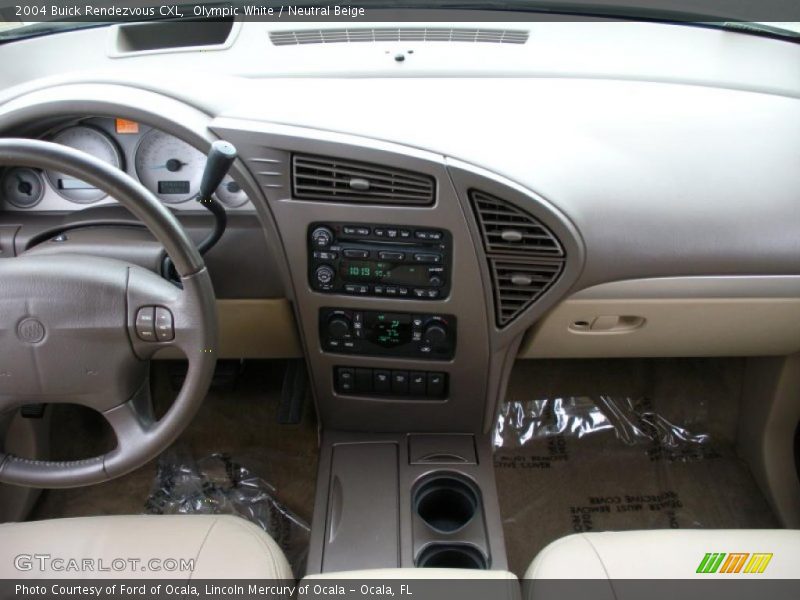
(370, 271)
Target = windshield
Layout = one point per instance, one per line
(21, 20)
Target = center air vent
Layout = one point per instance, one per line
(398, 34)
(525, 257)
(323, 178)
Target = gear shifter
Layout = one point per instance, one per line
(220, 159)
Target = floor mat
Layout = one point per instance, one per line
(239, 421)
(656, 452)
(220, 485)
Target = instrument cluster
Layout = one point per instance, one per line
(166, 165)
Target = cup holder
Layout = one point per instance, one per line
(446, 504)
(451, 556)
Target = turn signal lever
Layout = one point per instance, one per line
(220, 159)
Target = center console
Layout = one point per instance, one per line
(413, 278)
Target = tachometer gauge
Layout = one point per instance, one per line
(94, 142)
(230, 193)
(169, 167)
(22, 187)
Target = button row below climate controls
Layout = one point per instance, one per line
(385, 382)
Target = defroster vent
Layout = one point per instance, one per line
(525, 257)
(324, 178)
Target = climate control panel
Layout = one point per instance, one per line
(377, 333)
(361, 259)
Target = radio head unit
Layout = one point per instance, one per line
(367, 259)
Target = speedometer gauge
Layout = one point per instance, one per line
(94, 142)
(169, 167)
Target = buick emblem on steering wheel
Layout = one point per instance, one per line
(30, 330)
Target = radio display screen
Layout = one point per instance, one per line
(370, 271)
(388, 329)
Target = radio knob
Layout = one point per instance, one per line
(435, 334)
(324, 275)
(321, 237)
(338, 326)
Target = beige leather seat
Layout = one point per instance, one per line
(670, 554)
(146, 546)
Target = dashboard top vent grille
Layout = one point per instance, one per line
(517, 285)
(398, 34)
(324, 178)
(507, 229)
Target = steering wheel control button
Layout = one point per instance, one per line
(165, 326)
(145, 324)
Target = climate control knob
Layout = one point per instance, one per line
(435, 333)
(338, 326)
(321, 237)
(324, 275)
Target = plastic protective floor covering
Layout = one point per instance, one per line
(597, 462)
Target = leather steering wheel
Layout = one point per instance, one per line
(68, 329)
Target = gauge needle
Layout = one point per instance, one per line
(24, 187)
(173, 164)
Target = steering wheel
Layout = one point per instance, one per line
(82, 330)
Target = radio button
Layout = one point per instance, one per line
(402, 291)
(433, 293)
(354, 253)
(391, 255)
(378, 232)
(362, 289)
(378, 290)
(391, 233)
(362, 230)
(350, 288)
(391, 291)
(435, 281)
(420, 293)
(427, 234)
(428, 258)
(349, 230)
(322, 255)
(405, 234)
(322, 237)
(324, 275)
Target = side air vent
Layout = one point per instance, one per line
(525, 257)
(398, 34)
(517, 285)
(322, 178)
(505, 228)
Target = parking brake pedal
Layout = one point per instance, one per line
(293, 392)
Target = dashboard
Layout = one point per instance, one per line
(586, 200)
(168, 166)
